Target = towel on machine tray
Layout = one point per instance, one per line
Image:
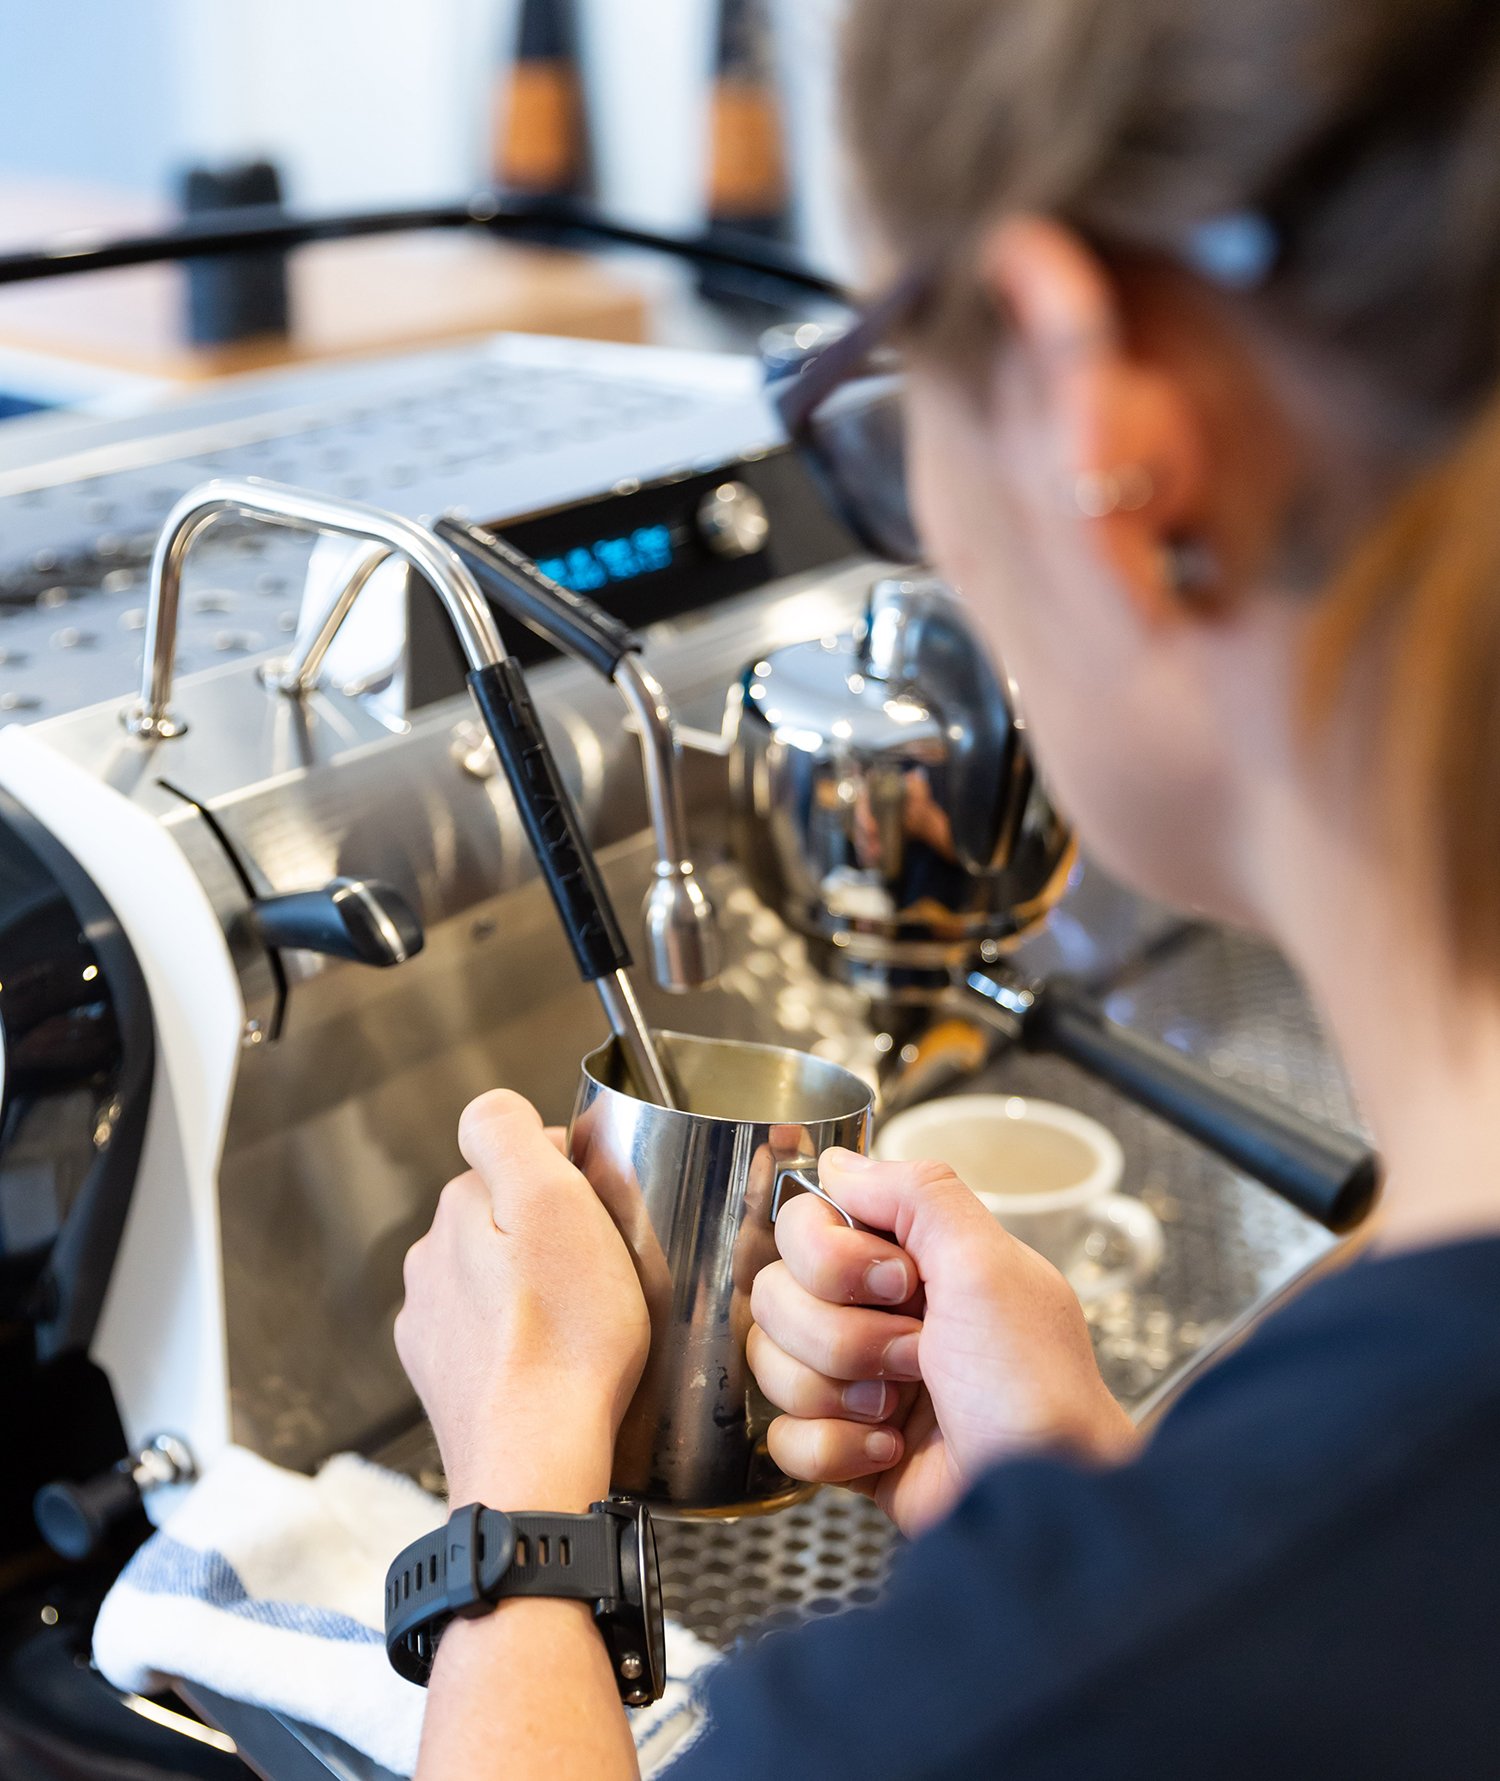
(267, 1586)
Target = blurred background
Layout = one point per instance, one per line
(114, 117)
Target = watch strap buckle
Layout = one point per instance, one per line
(478, 1546)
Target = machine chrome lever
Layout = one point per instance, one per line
(358, 919)
(498, 688)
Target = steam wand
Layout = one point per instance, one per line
(682, 933)
(498, 687)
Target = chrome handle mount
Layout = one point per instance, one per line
(151, 716)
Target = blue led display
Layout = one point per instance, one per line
(588, 567)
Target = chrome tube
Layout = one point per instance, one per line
(298, 674)
(682, 930)
(629, 1026)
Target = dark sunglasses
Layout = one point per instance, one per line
(840, 390)
(840, 396)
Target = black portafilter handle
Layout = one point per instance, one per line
(551, 820)
(76, 1519)
(569, 620)
(1331, 1176)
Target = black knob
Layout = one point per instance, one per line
(75, 1519)
(235, 296)
(349, 918)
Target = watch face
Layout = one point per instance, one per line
(656, 1633)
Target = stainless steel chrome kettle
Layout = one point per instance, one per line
(884, 800)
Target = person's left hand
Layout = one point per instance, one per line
(524, 1329)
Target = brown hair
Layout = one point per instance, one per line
(1365, 135)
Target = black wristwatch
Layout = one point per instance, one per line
(483, 1557)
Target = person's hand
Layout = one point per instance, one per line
(905, 1367)
(524, 1328)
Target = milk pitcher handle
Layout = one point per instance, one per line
(802, 1177)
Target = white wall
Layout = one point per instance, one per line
(87, 92)
(360, 101)
(366, 102)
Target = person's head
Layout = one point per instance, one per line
(1201, 412)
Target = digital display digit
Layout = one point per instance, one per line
(588, 567)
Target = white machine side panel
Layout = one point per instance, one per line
(161, 1337)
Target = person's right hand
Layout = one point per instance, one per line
(905, 1367)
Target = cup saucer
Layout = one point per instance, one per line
(1119, 1249)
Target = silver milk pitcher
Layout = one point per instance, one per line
(695, 1191)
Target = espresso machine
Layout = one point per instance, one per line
(272, 915)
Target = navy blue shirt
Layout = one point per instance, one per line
(1299, 1576)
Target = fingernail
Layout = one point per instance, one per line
(866, 1397)
(881, 1446)
(886, 1282)
(846, 1159)
(900, 1359)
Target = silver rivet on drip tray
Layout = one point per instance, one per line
(133, 619)
(70, 637)
(19, 702)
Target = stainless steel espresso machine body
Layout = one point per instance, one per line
(337, 910)
(266, 930)
(258, 850)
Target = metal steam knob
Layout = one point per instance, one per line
(76, 1519)
(734, 521)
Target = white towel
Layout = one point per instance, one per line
(267, 1586)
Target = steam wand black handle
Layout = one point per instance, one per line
(551, 820)
(1331, 1176)
(559, 615)
(567, 863)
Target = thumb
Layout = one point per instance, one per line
(503, 1140)
(923, 1204)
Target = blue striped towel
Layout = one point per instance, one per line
(268, 1586)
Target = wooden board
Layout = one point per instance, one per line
(347, 298)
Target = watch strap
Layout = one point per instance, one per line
(482, 1556)
(576, 1557)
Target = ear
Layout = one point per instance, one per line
(1128, 449)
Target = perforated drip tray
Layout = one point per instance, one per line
(726, 1579)
(1230, 1249)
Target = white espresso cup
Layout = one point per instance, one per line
(1048, 1174)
